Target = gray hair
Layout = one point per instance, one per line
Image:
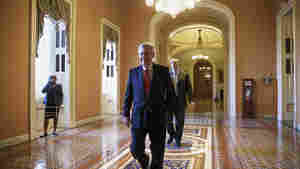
(149, 44)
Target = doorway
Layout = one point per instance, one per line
(110, 66)
(203, 86)
(51, 53)
(162, 26)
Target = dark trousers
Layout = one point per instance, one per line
(157, 138)
(177, 130)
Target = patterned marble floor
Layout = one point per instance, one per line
(217, 144)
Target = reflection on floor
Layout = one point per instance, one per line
(218, 144)
(193, 154)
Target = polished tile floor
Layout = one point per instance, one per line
(219, 144)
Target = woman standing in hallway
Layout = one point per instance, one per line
(53, 101)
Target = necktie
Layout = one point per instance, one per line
(147, 81)
(175, 82)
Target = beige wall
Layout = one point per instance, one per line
(255, 42)
(135, 28)
(88, 74)
(256, 48)
(15, 61)
(14, 48)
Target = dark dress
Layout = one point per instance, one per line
(53, 101)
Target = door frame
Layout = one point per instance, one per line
(72, 56)
(104, 21)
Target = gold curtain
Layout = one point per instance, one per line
(56, 9)
(110, 34)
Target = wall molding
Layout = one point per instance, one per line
(13, 140)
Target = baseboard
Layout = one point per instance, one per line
(37, 134)
(89, 120)
(67, 124)
(13, 140)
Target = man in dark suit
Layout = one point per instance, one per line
(150, 91)
(183, 90)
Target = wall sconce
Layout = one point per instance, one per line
(268, 79)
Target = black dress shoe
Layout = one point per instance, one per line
(45, 135)
(144, 162)
(178, 144)
(170, 140)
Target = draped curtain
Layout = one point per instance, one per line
(110, 34)
(58, 10)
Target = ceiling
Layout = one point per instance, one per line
(184, 43)
(199, 36)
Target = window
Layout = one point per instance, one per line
(112, 71)
(107, 54)
(63, 39)
(107, 71)
(63, 62)
(57, 63)
(57, 39)
(112, 52)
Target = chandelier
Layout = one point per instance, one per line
(199, 57)
(172, 7)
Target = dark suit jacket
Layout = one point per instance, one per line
(184, 91)
(148, 111)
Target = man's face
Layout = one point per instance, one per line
(53, 80)
(146, 55)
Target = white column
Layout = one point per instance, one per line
(297, 61)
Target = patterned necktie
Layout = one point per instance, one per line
(147, 81)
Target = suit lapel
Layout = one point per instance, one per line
(141, 80)
(152, 82)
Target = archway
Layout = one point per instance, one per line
(162, 25)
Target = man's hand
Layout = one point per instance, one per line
(126, 121)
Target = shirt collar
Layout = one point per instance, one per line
(150, 68)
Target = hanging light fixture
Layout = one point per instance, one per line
(199, 57)
(172, 7)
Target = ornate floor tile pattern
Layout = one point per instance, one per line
(191, 155)
(256, 144)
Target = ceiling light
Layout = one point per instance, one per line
(172, 7)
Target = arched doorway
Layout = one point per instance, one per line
(162, 25)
